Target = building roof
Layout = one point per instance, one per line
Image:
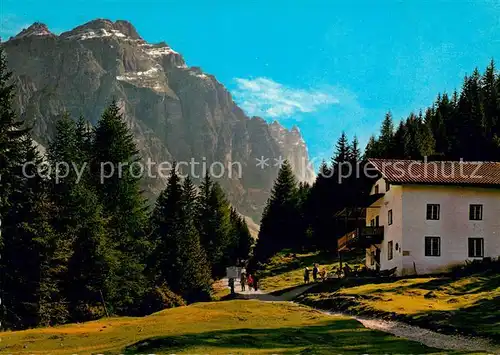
(399, 172)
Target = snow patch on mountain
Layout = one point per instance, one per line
(100, 33)
(199, 75)
(158, 52)
(132, 75)
(152, 78)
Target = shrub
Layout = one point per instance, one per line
(158, 298)
(84, 312)
(485, 265)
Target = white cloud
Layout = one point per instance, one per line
(267, 98)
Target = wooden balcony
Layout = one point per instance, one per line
(361, 238)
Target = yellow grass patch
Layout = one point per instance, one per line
(409, 296)
(237, 326)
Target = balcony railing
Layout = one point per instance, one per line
(361, 237)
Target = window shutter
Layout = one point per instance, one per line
(471, 248)
(427, 246)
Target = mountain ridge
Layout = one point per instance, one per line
(176, 112)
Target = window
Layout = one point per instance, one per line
(387, 186)
(389, 217)
(476, 247)
(432, 211)
(389, 250)
(476, 212)
(432, 246)
(377, 221)
(376, 189)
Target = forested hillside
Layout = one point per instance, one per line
(465, 125)
(77, 246)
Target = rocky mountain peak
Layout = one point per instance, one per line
(294, 149)
(104, 28)
(175, 112)
(127, 29)
(36, 29)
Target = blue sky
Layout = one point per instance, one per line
(325, 66)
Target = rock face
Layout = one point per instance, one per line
(176, 112)
(294, 150)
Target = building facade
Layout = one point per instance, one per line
(430, 222)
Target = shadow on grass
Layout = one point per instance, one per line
(480, 319)
(282, 291)
(482, 284)
(339, 336)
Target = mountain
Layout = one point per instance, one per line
(176, 112)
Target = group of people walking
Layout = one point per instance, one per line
(245, 280)
(316, 273)
(249, 280)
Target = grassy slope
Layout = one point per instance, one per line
(469, 305)
(284, 271)
(216, 327)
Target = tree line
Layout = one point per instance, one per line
(465, 125)
(77, 248)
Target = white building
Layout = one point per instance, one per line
(426, 217)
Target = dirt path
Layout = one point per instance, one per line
(427, 337)
(264, 296)
(399, 329)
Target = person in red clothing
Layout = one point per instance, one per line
(250, 281)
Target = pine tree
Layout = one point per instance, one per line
(411, 150)
(221, 233)
(63, 150)
(115, 176)
(12, 132)
(196, 274)
(318, 216)
(440, 123)
(83, 133)
(78, 220)
(91, 260)
(399, 142)
(343, 150)
(277, 229)
(387, 136)
(167, 230)
(241, 239)
(355, 152)
(425, 139)
(304, 235)
(491, 94)
(34, 257)
(181, 260)
(470, 121)
(372, 149)
(214, 225)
